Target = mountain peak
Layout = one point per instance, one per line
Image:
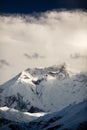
(38, 89)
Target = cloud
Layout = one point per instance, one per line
(34, 56)
(52, 34)
(3, 63)
(27, 56)
(78, 56)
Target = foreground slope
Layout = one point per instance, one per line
(17, 116)
(44, 89)
(70, 118)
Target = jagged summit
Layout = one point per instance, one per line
(55, 70)
(30, 73)
(61, 68)
(38, 73)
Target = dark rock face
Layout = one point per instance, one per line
(18, 100)
(37, 82)
(35, 109)
(82, 126)
(4, 121)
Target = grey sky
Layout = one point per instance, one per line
(54, 35)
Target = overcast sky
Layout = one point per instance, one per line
(49, 39)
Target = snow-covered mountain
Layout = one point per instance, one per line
(73, 117)
(44, 89)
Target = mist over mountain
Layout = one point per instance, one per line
(47, 38)
(43, 65)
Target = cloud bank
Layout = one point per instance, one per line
(54, 35)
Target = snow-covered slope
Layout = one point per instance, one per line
(44, 89)
(17, 116)
(70, 118)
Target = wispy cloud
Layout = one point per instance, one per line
(34, 56)
(3, 62)
(78, 56)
